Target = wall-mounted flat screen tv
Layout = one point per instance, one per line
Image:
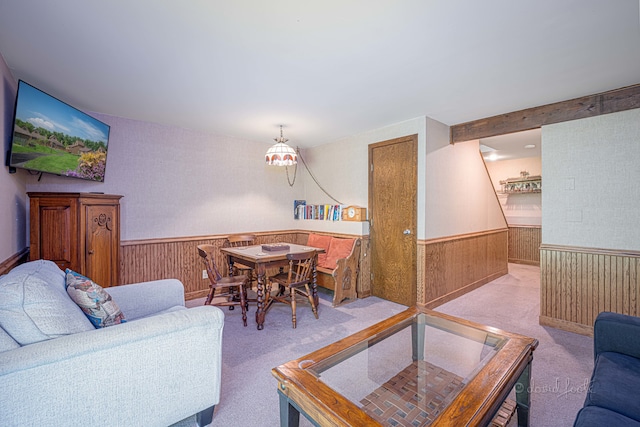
(53, 137)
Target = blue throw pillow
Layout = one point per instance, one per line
(94, 301)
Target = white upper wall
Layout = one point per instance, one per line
(519, 208)
(460, 198)
(591, 196)
(455, 195)
(342, 168)
(178, 183)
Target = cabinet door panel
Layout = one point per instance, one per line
(101, 253)
(57, 236)
(55, 242)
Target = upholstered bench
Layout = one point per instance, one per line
(339, 266)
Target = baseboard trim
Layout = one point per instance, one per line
(465, 289)
(565, 325)
(524, 261)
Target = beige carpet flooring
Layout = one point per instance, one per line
(563, 361)
(561, 367)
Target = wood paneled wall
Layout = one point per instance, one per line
(578, 283)
(453, 266)
(17, 259)
(145, 260)
(524, 244)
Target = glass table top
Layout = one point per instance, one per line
(418, 367)
(412, 370)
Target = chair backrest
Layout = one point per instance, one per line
(206, 252)
(300, 267)
(236, 240)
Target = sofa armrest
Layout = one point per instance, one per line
(618, 333)
(146, 298)
(154, 371)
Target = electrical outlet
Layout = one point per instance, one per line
(204, 274)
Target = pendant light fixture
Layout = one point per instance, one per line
(281, 154)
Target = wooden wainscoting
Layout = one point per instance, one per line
(363, 287)
(524, 244)
(145, 260)
(578, 283)
(17, 259)
(452, 266)
(177, 258)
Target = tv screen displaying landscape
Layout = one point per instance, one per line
(54, 137)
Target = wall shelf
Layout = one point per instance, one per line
(523, 184)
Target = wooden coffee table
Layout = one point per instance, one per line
(419, 367)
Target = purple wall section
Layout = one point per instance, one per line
(13, 198)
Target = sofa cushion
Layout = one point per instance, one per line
(6, 342)
(593, 416)
(614, 384)
(44, 270)
(338, 249)
(34, 305)
(320, 241)
(95, 302)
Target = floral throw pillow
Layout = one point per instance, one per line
(94, 301)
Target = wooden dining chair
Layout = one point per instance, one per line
(296, 281)
(232, 289)
(234, 241)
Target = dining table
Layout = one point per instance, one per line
(263, 257)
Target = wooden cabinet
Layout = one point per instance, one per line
(80, 231)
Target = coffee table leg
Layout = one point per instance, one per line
(289, 415)
(523, 396)
(417, 339)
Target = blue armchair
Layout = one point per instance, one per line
(614, 393)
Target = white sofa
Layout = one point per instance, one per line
(161, 367)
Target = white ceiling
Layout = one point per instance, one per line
(324, 69)
(512, 146)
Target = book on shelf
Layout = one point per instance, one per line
(326, 212)
(299, 207)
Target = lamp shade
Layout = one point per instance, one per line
(280, 154)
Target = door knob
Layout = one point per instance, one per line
(406, 232)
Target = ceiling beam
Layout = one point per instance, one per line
(622, 99)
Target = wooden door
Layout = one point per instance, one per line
(101, 244)
(393, 216)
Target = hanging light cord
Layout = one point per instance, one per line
(295, 173)
(311, 174)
